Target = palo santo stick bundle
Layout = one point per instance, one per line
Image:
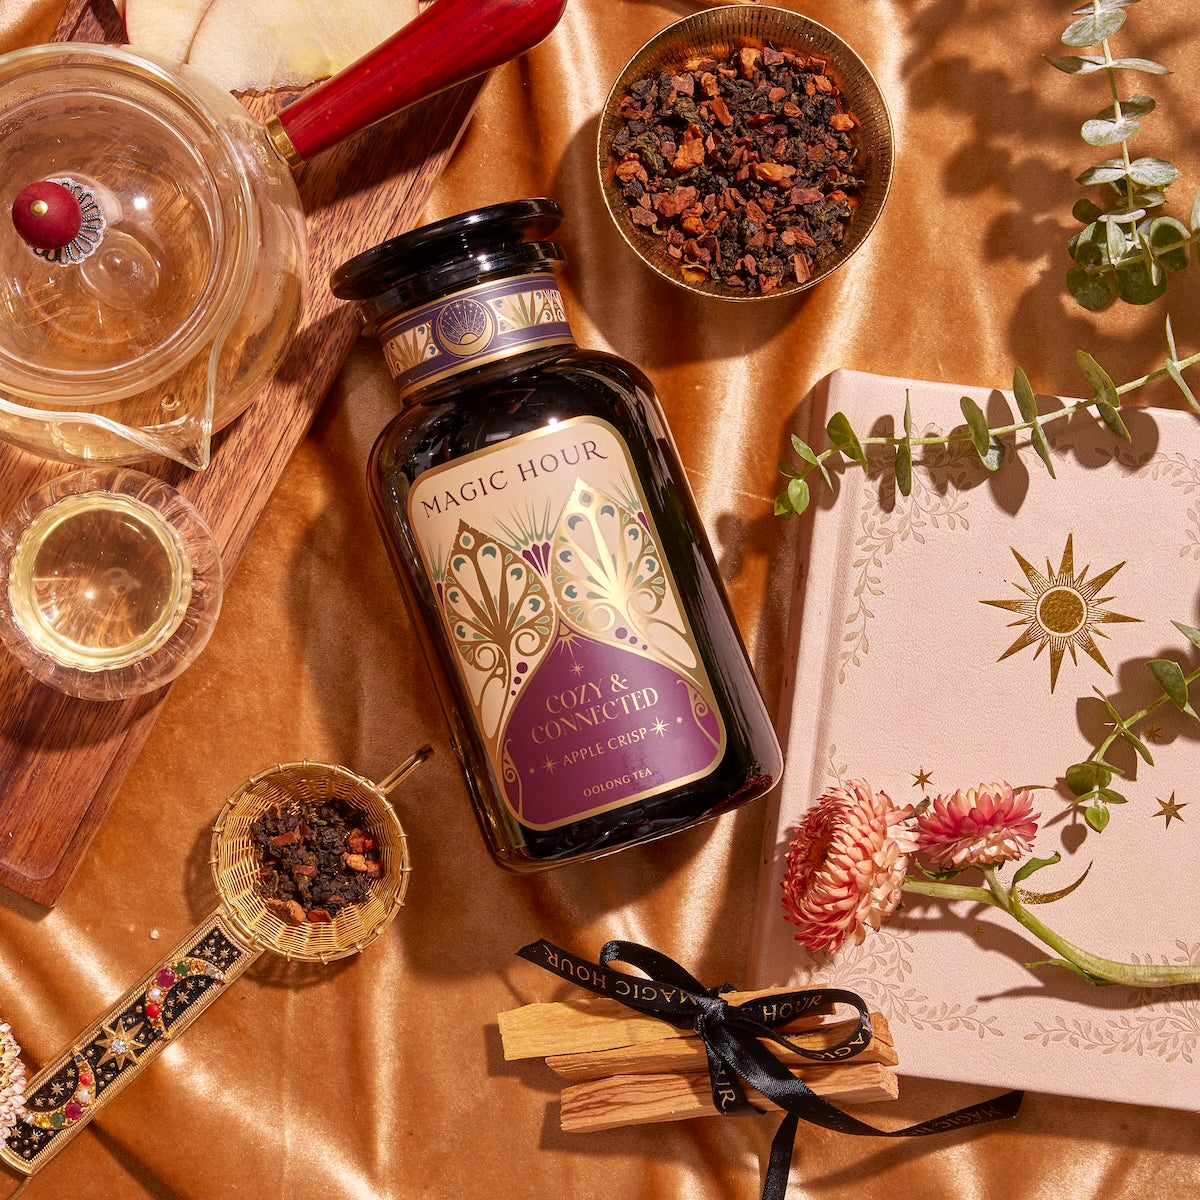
(641, 1099)
(624, 1068)
(680, 1055)
(597, 1023)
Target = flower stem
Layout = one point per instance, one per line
(1096, 968)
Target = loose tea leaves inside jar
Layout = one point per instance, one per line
(314, 860)
(743, 165)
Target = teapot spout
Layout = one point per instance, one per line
(84, 437)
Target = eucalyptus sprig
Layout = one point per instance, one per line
(846, 445)
(1122, 250)
(1090, 781)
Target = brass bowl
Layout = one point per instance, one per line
(718, 32)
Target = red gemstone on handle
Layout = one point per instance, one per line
(47, 215)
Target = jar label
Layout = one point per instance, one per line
(582, 671)
(479, 325)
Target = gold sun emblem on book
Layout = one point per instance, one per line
(1062, 611)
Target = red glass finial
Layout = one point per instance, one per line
(47, 215)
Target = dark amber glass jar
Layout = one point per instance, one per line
(548, 546)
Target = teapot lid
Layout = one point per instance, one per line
(124, 199)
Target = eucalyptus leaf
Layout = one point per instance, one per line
(806, 452)
(1086, 211)
(1169, 675)
(1153, 172)
(1157, 274)
(977, 425)
(1074, 64)
(1138, 745)
(1177, 378)
(1104, 394)
(798, 495)
(1089, 64)
(1086, 777)
(1194, 219)
(1132, 106)
(1149, 199)
(1108, 132)
(1023, 394)
(1170, 338)
(1092, 29)
(1149, 66)
(1097, 816)
(783, 507)
(1090, 290)
(1190, 632)
(995, 455)
(1111, 797)
(1118, 242)
(1165, 235)
(903, 466)
(1105, 172)
(1103, 387)
(844, 439)
(1136, 283)
(1089, 247)
(1037, 439)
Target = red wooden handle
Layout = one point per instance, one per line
(450, 42)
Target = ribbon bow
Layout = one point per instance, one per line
(733, 1037)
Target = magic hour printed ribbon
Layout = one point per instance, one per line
(731, 1033)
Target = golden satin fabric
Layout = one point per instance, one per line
(382, 1076)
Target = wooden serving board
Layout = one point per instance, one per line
(61, 759)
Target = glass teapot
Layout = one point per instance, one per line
(153, 269)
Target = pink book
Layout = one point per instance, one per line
(958, 636)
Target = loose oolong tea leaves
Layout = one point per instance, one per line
(315, 860)
(742, 165)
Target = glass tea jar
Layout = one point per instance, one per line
(545, 538)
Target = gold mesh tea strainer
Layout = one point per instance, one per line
(110, 1053)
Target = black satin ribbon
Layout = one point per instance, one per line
(733, 1035)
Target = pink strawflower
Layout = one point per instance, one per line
(846, 865)
(978, 827)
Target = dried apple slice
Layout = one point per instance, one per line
(163, 27)
(256, 45)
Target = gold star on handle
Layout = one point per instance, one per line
(119, 1044)
(1169, 810)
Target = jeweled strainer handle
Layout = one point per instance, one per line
(64, 1096)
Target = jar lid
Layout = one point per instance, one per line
(443, 256)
